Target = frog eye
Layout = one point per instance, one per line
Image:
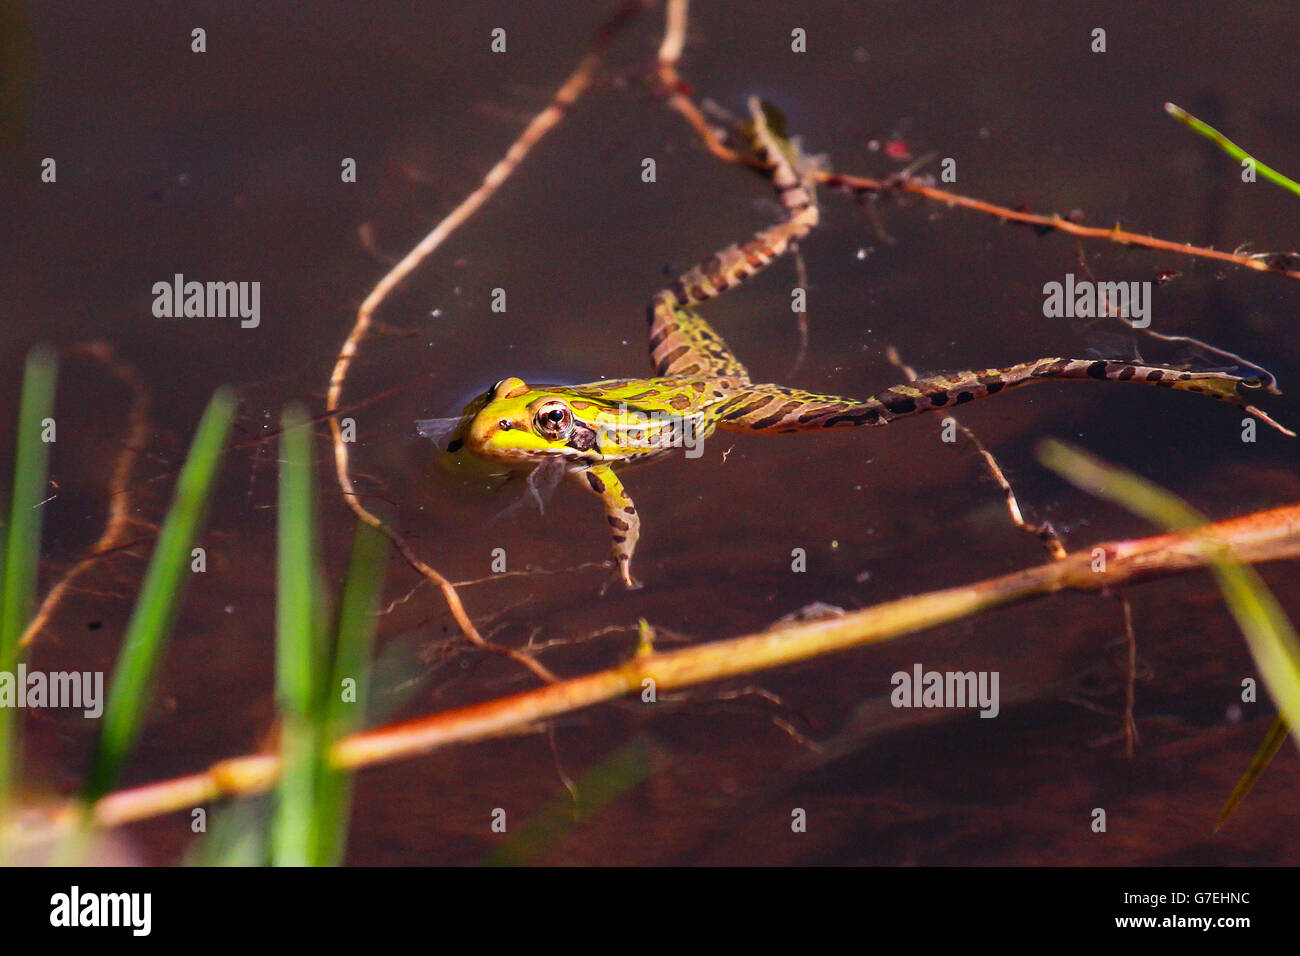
(554, 421)
(508, 388)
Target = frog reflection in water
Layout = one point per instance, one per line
(586, 431)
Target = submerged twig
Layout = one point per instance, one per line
(119, 520)
(577, 83)
(1044, 532)
(801, 317)
(679, 100)
(1275, 263)
(1130, 676)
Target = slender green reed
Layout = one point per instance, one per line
(322, 678)
(598, 788)
(20, 558)
(1231, 148)
(348, 693)
(300, 663)
(170, 567)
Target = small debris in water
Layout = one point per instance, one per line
(816, 611)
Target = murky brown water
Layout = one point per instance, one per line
(226, 166)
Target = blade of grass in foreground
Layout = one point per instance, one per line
(238, 834)
(23, 541)
(1273, 741)
(347, 694)
(297, 659)
(1269, 634)
(598, 788)
(160, 597)
(235, 835)
(301, 654)
(1229, 147)
(21, 555)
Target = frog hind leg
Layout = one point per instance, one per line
(620, 513)
(776, 408)
(682, 343)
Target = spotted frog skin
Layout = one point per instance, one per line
(587, 431)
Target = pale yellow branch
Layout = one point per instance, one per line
(670, 51)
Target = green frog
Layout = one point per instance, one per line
(586, 432)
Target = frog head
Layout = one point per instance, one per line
(517, 424)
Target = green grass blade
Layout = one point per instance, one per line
(160, 596)
(235, 836)
(300, 664)
(1273, 741)
(20, 558)
(1269, 634)
(298, 671)
(348, 689)
(23, 540)
(357, 626)
(597, 789)
(1229, 147)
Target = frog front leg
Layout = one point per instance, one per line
(624, 523)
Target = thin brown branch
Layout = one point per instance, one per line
(679, 99)
(1130, 676)
(1272, 263)
(1044, 532)
(572, 88)
(801, 317)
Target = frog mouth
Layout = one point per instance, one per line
(583, 437)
